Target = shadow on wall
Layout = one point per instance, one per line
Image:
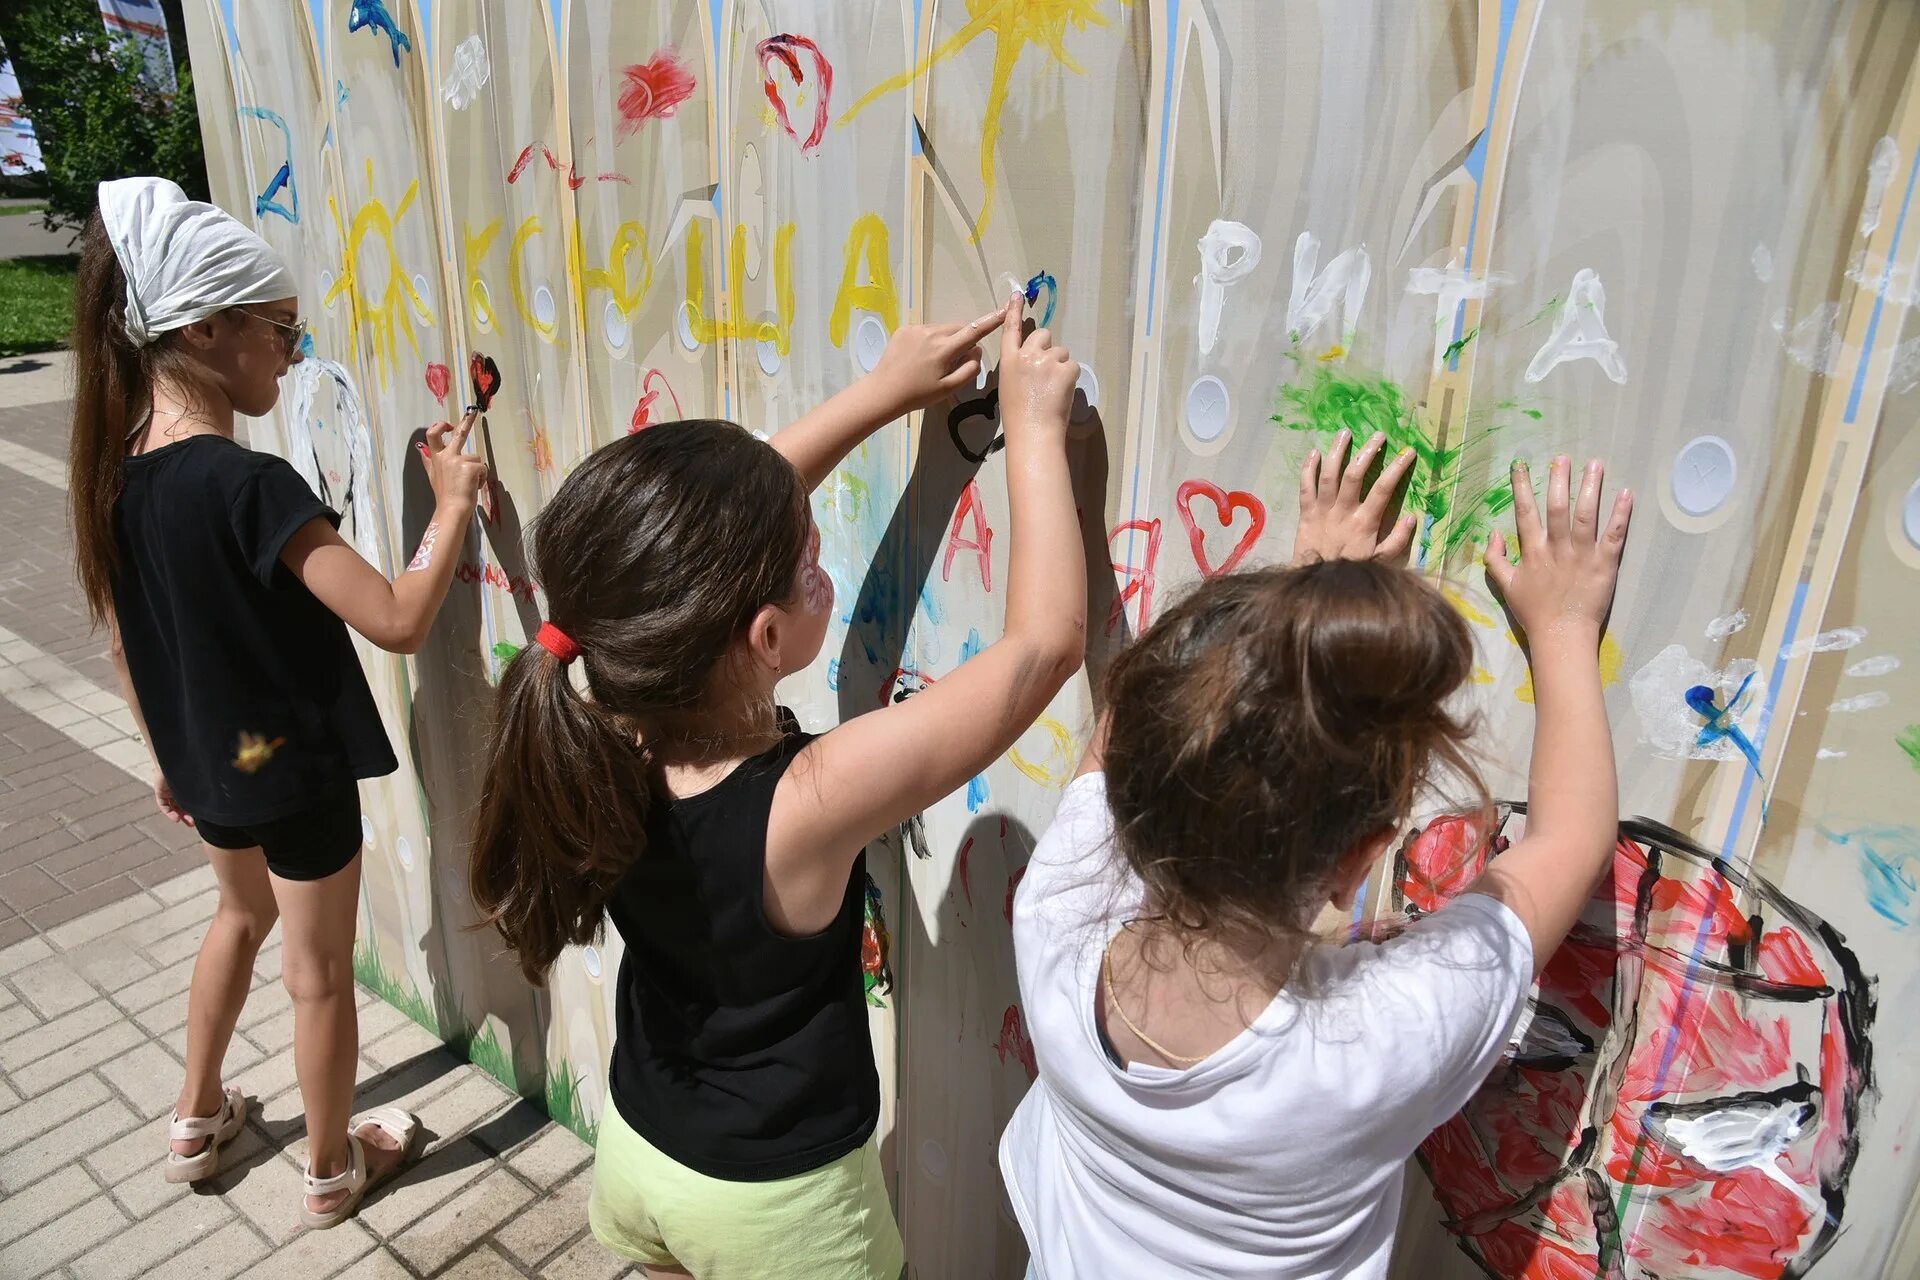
(476, 983)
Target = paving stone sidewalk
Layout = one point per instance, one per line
(102, 908)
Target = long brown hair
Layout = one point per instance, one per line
(656, 553)
(113, 386)
(1271, 722)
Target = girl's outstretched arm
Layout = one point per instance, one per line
(396, 615)
(923, 363)
(1560, 593)
(879, 769)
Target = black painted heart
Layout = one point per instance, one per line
(984, 409)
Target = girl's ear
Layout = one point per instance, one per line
(202, 335)
(764, 636)
(1354, 866)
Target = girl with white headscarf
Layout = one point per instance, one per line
(228, 591)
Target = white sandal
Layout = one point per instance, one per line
(402, 1127)
(217, 1130)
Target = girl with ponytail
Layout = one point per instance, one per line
(667, 791)
(227, 590)
(1219, 1093)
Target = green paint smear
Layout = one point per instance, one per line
(1457, 512)
(1455, 347)
(1908, 740)
(503, 653)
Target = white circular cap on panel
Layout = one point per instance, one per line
(933, 1158)
(366, 831)
(1207, 408)
(420, 285)
(590, 961)
(615, 326)
(483, 303)
(1703, 475)
(1910, 515)
(326, 289)
(869, 342)
(405, 851)
(768, 349)
(1086, 394)
(543, 304)
(683, 327)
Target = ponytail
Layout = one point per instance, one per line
(113, 386)
(562, 814)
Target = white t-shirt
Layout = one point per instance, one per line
(1280, 1155)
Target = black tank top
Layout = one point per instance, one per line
(739, 1051)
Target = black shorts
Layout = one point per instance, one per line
(309, 845)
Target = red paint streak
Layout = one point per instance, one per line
(1839, 1078)
(784, 50)
(1462, 1174)
(1224, 504)
(1746, 1223)
(1139, 581)
(1013, 883)
(439, 381)
(981, 544)
(900, 674)
(1518, 1252)
(526, 158)
(966, 885)
(1785, 958)
(654, 90)
(1579, 978)
(1534, 1120)
(1444, 860)
(643, 411)
(1013, 1040)
(494, 576)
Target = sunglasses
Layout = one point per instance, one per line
(294, 335)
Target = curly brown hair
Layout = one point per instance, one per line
(1271, 722)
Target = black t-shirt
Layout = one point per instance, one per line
(739, 1051)
(249, 685)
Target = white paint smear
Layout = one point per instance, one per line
(1880, 665)
(1451, 285)
(1228, 254)
(1721, 628)
(1827, 754)
(1670, 726)
(1886, 155)
(467, 74)
(1741, 1135)
(1814, 341)
(1315, 295)
(1581, 332)
(1904, 373)
(1834, 641)
(1762, 263)
(1865, 702)
(349, 416)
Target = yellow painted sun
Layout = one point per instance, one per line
(1015, 24)
(390, 316)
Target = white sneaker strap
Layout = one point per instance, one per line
(199, 1126)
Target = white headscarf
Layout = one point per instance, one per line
(184, 259)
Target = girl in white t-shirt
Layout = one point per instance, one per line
(1219, 1094)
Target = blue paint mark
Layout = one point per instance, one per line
(1887, 855)
(971, 647)
(340, 94)
(1880, 301)
(1720, 722)
(930, 605)
(1042, 280)
(306, 345)
(1160, 181)
(1359, 912)
(267, 201)
(372, 15)
(833, 675)
(977, 793)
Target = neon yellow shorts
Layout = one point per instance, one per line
(831, 1223)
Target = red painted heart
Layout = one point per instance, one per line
(485, 375)
(1224, 503)
(784, 50)
(439, 381)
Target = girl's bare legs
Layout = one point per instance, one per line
(318, 919)
(221, 978)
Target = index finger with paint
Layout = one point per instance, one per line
(1010, 334)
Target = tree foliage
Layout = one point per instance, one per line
(94, 116)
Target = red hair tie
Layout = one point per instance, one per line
(556, 642)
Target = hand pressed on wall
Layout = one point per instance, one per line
(925, 363)
(1340, 517)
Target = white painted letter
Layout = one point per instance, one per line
(1581, 332)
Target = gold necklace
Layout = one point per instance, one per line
(1113, 1002)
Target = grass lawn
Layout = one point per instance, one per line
(38, 311)
(17, 210)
